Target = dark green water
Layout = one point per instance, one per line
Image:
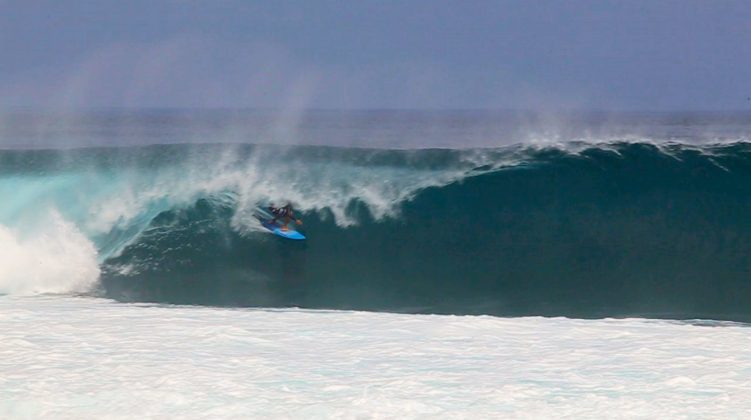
(613, 230)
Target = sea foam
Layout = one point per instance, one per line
(72, 358)
(55, 257)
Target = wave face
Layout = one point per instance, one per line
(585, 230)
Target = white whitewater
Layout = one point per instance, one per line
(83, 358)
(55, 257)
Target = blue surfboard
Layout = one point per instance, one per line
(265, 218)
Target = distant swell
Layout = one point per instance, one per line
(617, 229)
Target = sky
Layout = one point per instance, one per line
(414, 54)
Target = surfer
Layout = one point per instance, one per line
(284, 213)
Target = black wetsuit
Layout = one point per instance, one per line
(284, 212)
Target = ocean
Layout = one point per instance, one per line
(459, 264)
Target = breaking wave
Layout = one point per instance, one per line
(585, 229)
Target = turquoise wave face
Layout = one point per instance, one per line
(587, 230)
(112, 195)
